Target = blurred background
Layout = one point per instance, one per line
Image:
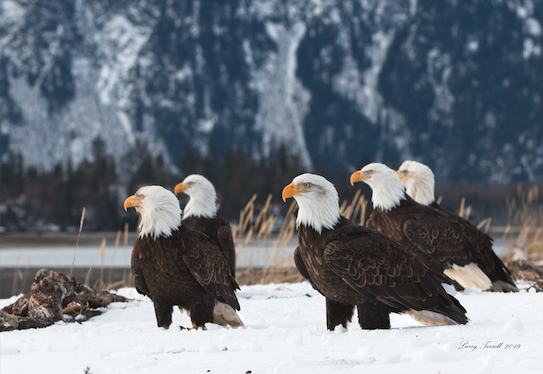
(100, 97)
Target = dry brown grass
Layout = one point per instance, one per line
(269, 255)
(465, 212)
(259, 247)
(525, 212)
(78, 235)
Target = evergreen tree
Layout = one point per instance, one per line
(11, 177)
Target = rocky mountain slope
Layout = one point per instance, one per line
(455, 84)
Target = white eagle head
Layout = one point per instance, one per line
(159, 209)
(202, 202)
(418, 180)
(317, 199)
(386, 185)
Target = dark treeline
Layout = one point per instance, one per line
(503, 204)
(32, 200)
(37, 200)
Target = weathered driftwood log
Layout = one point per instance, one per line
(53, 297)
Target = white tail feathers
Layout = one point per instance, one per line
(224, 314)
(428, 318)
(469, 276)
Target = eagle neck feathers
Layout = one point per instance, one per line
(204, 208)
(387, 192)
(159, 219)
(318, 215)
(203, 198)
(421, 189)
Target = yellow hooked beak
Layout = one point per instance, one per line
(357, 177)
(290, 191)
(180, 188)
(131, 201)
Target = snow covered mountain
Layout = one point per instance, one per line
(455, 84)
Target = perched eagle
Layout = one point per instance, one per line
(175, 265)
(429, 233)
(353, 265)
(419, 182)
(200, 214)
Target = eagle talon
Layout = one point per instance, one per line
(194, 327)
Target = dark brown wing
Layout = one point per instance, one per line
(369, 223)
(226, 242)
(379, 268)
(300, 265)
(439, 236)
(208, 265)
(219, 231)
(139, 278)
(372, 259)
(483, 253)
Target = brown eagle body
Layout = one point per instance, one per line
(353, 265)
(175, 265)
(186, 270)
(201, 215)
(219, 231)
(439, 240)
(432, 235)
(483, 254)
(419, 182)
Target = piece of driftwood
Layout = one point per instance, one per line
(524, 271)
(53, 297)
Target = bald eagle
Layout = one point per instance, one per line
(431, 234)
(200, 214)
(419, 182)
(174, 265)
(353, 265)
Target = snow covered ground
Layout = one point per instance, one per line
(285, 332)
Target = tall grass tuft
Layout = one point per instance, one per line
(16, 275)
(77, 242)
(268, 253)
(101, 253)
(356, 209)
(526, 212)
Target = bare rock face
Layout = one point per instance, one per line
(53, 297)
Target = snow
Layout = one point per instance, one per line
(121, 42)
(362, 87)
(285, 332)
(12, 12)
(284, 101)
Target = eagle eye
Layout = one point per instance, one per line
(306, 185)
(368, 172)
(140, 196)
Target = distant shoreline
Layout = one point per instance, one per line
(24, 253)
(31, 238)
